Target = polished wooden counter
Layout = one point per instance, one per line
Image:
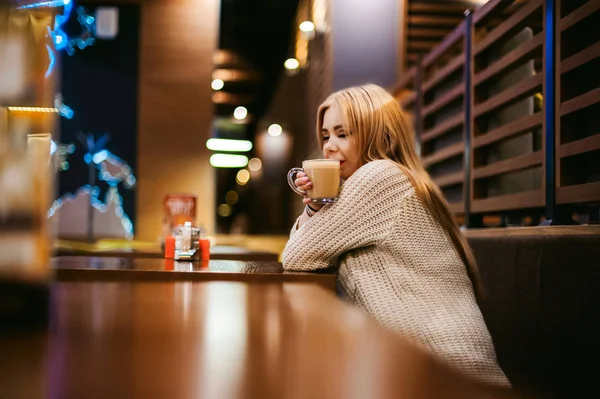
(86, 268)
(217, 252)
(216, 340)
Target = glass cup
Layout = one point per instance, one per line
(324, 175)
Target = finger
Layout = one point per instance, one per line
(300, 174)
(306, 201)
(303, 183)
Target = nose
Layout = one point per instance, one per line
(330, 146)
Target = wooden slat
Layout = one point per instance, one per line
(420, 45)
(511, 129)
(443, 154)
(512, 24)
(529, 199)
(449, 40)
(582, 57)
(407, 79)
(427, 33)
(589, 192)
(445, 99)
(582, 101)
(537, 231)
(443, 127)
(579, 14)
(443, 73)
(485, 10)
(435, 21)
(509, 165)
(587, 144)
(408, 100)
(413, 57)
(515, 93)
(235, 75)
(222, 97)
(457, 207)
(454, 7)
(450, 179)
(512, 59)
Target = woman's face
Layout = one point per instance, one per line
(338, 143)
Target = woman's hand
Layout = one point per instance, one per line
(303, 183)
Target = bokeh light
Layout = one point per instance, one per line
(255, 164)
(231, 197)
(224, 210)
(242, 177)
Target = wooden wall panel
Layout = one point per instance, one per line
(178, 39)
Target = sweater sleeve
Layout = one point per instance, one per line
(364, 214)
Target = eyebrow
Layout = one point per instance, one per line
(338, 127)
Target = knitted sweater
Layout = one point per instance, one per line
(398, 264)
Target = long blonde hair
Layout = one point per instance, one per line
(383, 131)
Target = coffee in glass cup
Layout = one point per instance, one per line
(324, 175)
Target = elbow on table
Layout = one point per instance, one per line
(292, 262)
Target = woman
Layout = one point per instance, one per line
(400, 255)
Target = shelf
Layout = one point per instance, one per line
(509, 165)
(443, 154)
(450, 179)
(443, 127)
(511, 95)
(589, 192)
(580, 146)
(580, 102)
(522, 125)
(529, 199)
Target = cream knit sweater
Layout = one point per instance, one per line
(398, 264)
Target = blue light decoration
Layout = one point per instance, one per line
(52, 58)
(111, 196)
(62, 151)
(86, 38)
(98, 157)
(59, 37)
(63, 110)
(48, 4)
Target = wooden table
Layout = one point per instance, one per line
(215, 340)
(85, 268)
(217, 252)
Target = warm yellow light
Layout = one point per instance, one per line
(231, 197)
(217, 84)
(33, 109)
(291, 64)
(228, 161)
(242, 177)
(307, 26)
(255, 164)
(275, 130)
(224, 210)
(229, 145)
(240, 113)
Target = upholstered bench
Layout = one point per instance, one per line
(541, 302)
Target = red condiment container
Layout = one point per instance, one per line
(204, 245)
(170, 247)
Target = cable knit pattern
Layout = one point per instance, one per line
(398, 264)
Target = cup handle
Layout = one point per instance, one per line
(291, 176)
